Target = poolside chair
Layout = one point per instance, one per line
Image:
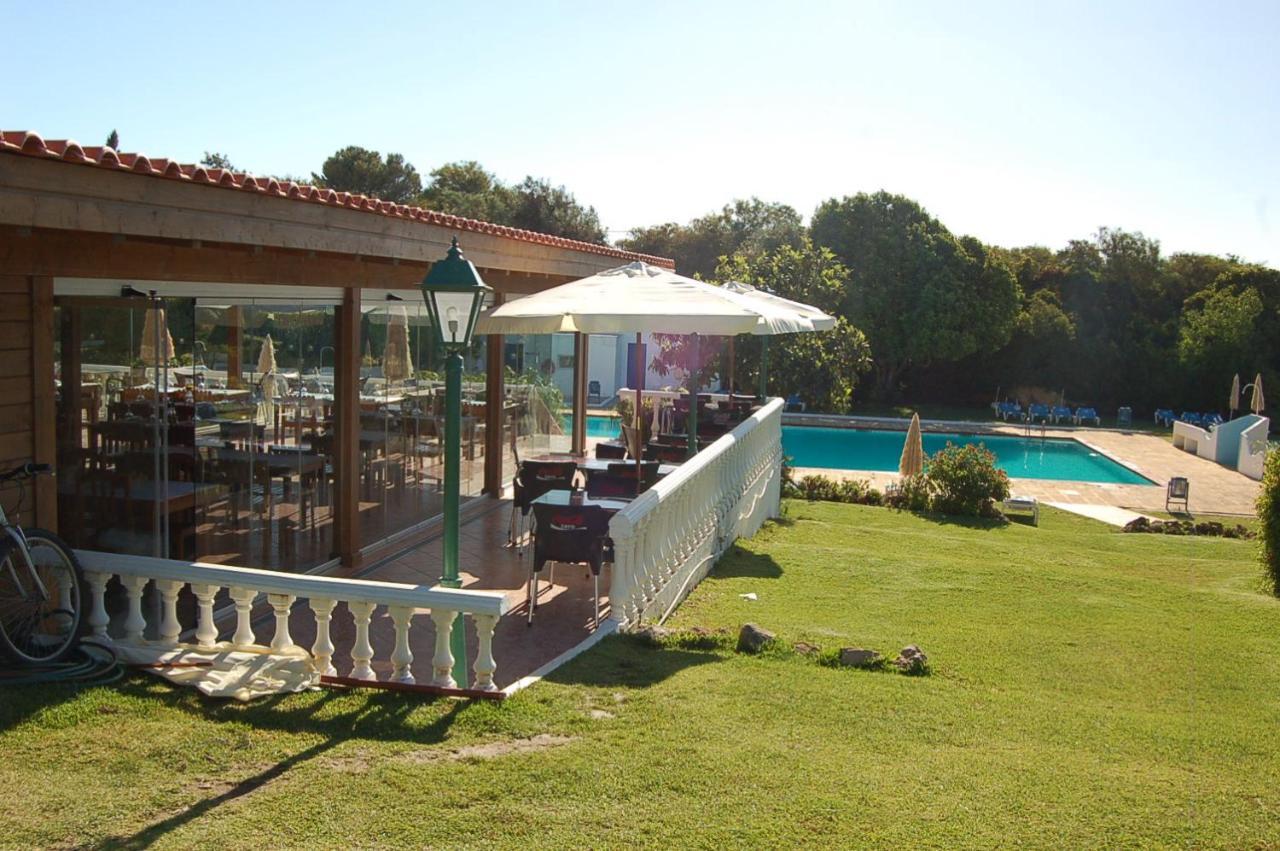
(1124, 417)
(1060, 413)
(1211, 420)
(1084, 415)
(1005, 410)
(593, 392)
(533, 480)
(1190, 418)
(1178, 490)
(1037, 411)
(1165, 417)
(574, 534)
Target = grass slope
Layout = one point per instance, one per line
(1088, 688)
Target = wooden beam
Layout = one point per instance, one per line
(579, 439)
(495, 424)
(69, 439)
(43, 406)
(346, 414)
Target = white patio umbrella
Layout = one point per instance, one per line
(818, 321)
(267, 381)
(912, 461)
(147, 348)
(638, 298)
(397, 361)
(1259, 401)
(1234, 403)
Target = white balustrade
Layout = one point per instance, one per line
(666, 540)
(244, 586)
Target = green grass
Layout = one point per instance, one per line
(1088, 688)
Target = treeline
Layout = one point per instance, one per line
(1107, 320)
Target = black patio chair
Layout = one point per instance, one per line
(573, 534)
(666, 454)
(611, 486)
(648, 471)
(611, 449)
(533, 479)
(1178, 490)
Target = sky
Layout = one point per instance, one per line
(1018, 123)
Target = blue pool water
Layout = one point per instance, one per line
(1026, 458)
(597, 426)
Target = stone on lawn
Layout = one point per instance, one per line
(911, 660)
(804, 648)
(753, 639)
(652, 634)
(858, 657)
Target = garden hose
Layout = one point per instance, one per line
(90, 664)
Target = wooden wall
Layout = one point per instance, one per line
(26, 354)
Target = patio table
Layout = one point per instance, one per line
(563, 497)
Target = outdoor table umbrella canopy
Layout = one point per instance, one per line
(818, 321)
(638, 298)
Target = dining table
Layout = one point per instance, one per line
(562, 497)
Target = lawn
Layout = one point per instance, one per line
(1087, 688)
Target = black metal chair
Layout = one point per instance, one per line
(533, 480)
(610, 449)
(574, 534)
(648, 471)
(666, 454)
(1178, 490)
(611, 486)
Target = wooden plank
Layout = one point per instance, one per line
(346, 412)
(17, 417)
(15, 388)
(16, 336)
(15, 307)
(15, 284)
(15, 367)
(44, 410)
(15, 448)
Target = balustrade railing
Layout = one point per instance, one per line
(244, 585)
(668, 539)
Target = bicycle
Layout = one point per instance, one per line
(41, 587)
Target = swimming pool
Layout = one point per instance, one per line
(1060, 459)
(597, 426)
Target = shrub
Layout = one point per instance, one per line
(966, 480)
(818, 488)
(913, 493)
(1269, 514)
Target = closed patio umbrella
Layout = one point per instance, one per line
(267, 382)
(1234, 403)
(397, 361)
(147, 350)
(1259, 401)
(634, 299)
(912, 462)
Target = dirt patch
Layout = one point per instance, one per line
(490, 750)
(601, 714)
(357, 762)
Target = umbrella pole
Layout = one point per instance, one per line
(730, 356)
(693, 399)
(764, 368)
(638, 419)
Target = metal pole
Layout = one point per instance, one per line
(764, 368)
(156, 544)
(452, 462)
(638, 419)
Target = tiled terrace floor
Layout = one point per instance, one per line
(1214, 488)
(563, 619)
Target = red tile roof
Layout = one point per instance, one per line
(30, 144)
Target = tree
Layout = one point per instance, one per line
(217, 160)
(1231, 327)
(465, 188)
(920, 295)
(822, 367)
(113, 140)
(539, 206)
(750, 226)
(364, 172)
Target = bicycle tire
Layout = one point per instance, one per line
(38, 540)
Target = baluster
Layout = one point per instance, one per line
(322, 649)
(170, 629)
(98, 619)
(135, 624)
(281, 603)
(401, 656)
(243, 598)
(206, 629)
(484, 666)
(361, 650)
(442, 662)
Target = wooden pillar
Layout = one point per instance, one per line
(495, 413)
(346, 415)
(44, 413)
(235, 327)
(580, 393)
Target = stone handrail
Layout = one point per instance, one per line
(1251, 455)
(282, 590)
(666, 540)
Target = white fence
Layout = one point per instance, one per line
(668, 539)
(1252, 455)
(282, 590)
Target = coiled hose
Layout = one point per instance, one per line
(90, 664)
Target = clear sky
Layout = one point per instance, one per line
(1016, 122)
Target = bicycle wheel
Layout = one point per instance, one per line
(38, 627)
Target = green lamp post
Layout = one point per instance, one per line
(454, 293)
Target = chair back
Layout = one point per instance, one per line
(538, 477)
(666, 454)
(570, 533)
(648, 471)
(612, 485)
(610, 450)
(1179, 487)
(631, 439)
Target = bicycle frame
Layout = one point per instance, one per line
(15, 532)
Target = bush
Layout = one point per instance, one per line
(819, 488)
(913, 493)
(1269, 514)
(965, 480)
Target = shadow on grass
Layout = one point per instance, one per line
(985, 524)
(381, 715)
(624, 660)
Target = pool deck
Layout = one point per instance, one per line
(1214, 489)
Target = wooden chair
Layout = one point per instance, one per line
(1178, 490)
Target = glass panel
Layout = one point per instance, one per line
(539, 391)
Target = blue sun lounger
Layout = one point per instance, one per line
(1085, 414)
(1060, 413)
